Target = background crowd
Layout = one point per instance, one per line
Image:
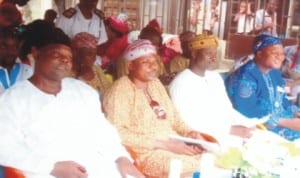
(84, 96)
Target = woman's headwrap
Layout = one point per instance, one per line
(203, 41)
(84, 40)
(173, 42)
(138, 49)
(118, 25)
(264, 40)
(155, 25)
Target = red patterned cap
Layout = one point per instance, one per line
(138, 49)
(84, 40)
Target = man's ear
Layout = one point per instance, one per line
(34, 52)
(193, 54)
(129, 65)
(259, 53)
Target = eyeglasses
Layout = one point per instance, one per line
(158, 110)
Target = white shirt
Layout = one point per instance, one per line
(262, 18)
(245, 23)
(78, 23)
(24, 73)
(39, 129)
(203, 102)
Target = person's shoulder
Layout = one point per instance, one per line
(276, 73)
(122, 83)
(216, 75)
(19, 90)
(78, 87)
(26, 71)
(241, 72)
(182, 75)
(248, 66)
(100, 14)
(20, 84)
(26, 67)
(121, 87)
(72, 82)
(75, 84)
(69, 13)
(179, 80)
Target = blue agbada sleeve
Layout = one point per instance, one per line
(249, 93)
(243, 92)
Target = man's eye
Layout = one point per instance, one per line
(55, 55)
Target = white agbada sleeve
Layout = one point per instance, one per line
(181, 93)
(109, 141)
(13, 150)
(2, 89)
(106, 136)
(202, 101)
(19, 147)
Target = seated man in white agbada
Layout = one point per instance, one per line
(200, 96)
(53, 126)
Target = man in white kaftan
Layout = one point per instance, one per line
(200, 96)
(34, 134)
(72, 21)
(203, 102)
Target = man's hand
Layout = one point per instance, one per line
(293, 123)
(177, 147)
(68, 169)
(195, 135)
(241, 131)
(180, 147)
(127, 168)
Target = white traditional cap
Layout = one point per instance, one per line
(138, 48)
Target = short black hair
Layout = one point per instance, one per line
(9, 32)
(41, 33)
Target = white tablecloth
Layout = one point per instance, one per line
(209, 170)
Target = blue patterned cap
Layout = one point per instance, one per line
(264, 40)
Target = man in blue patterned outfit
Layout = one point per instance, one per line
(257, 88)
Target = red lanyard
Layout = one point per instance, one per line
(294, 60)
